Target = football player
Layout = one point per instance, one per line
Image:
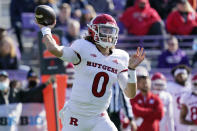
(98, 65)
(177, 89)
(188, 115)
(159, 88)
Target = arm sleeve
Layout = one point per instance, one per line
(70, 55)
(75, 52)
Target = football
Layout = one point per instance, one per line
(45, 15)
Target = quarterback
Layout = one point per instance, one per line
(98, 65)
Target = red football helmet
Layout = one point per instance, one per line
(104, 30)
(158, 81)
(194, 84)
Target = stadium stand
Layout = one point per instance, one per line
(30, 29)
(154, 45)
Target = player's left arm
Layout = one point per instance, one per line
(128, 81)
(134, 61)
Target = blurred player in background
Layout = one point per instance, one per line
(188, 115)
(98, 65)
(177, 89)
(147, 107)
(159, 88)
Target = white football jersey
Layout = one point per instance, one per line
(177, 91)
(167, 122)
(94, 77)
(190, 100)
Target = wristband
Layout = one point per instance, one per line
(132, 76)
(46, 31)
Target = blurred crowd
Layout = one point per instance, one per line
(135, 18)
(13, 91)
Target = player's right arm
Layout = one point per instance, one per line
(128, 81)
(48, 40)
(183, 114)
(52, 46)
(64, 53)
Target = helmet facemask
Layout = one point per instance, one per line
(105, 35)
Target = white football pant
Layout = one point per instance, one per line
(75, 122)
